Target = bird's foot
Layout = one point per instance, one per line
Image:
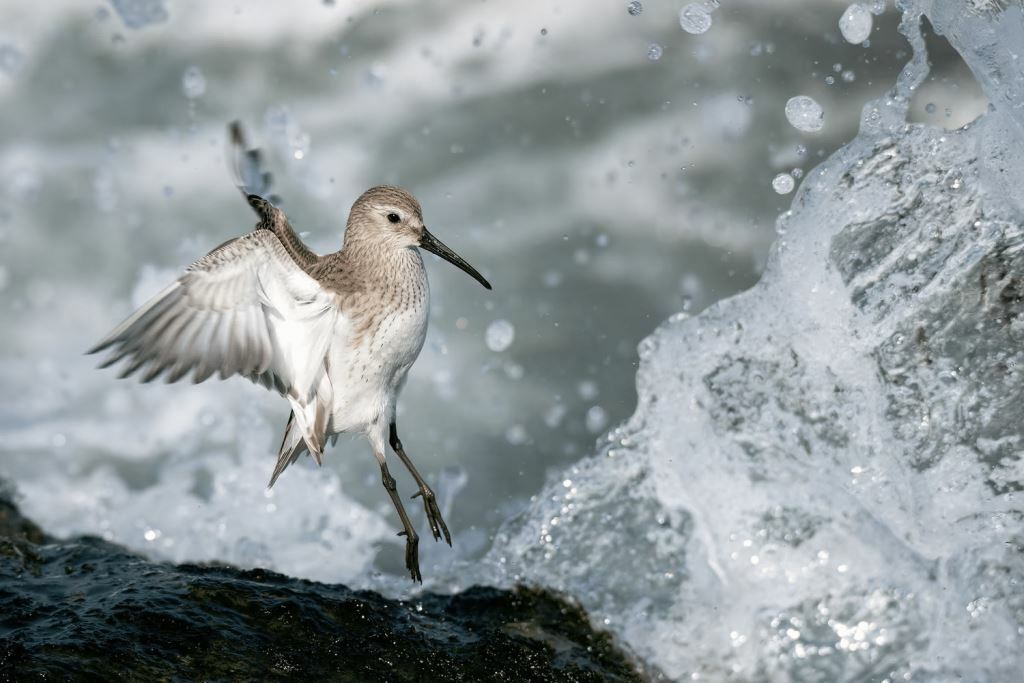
(412, 554)
(437, 525)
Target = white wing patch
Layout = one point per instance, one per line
(245, 308)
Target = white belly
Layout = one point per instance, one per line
(368, 372)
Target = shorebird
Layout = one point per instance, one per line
(334, 334)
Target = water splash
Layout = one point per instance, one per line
(193, 83)
(783, 183)
(819, 482)
(805, 114)
(138, 14)
(855, 24)
(499, 335)
(695, 18)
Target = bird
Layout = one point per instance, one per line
(334, 334)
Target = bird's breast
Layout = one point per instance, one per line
(378, 338)
(387, 332)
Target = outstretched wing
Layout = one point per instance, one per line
(245, 308)
(255, 183)
(246, 164)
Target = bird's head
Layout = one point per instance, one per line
(387, 217)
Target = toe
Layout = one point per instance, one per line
(412, 559)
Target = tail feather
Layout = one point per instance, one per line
(306, 429)
(292, 446)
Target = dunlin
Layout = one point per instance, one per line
(333, 334)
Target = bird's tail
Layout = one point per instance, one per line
(292, 446)
(307, 427)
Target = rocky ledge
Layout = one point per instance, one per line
(87, 608)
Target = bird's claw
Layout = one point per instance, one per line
(412, 555)
(437, 525)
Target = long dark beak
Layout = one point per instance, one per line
(436, 246)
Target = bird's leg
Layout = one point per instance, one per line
(437, 525)
(412, 540)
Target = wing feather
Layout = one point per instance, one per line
(245, 308)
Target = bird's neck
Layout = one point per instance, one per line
(372, 266)
(302, 254)
(384, 256)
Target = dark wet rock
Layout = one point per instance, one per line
(88, 608)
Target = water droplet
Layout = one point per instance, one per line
(11, 59)
(855, 24)
(804, 114)
(137, 14)
(635, 8)
(695, 18)
(930, 107)
(376, 74)
(193, 83)
(516, 435)
(596, 419)
(499, 335)
(783, 183)
(287, 133)
(553, 417)
(587, 390)
(514, 371)
(829, 80)
(654, 52)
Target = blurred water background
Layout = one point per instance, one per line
(601, 166)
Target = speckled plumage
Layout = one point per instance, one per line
(334, 334)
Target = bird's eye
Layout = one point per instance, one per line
(394, 217)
